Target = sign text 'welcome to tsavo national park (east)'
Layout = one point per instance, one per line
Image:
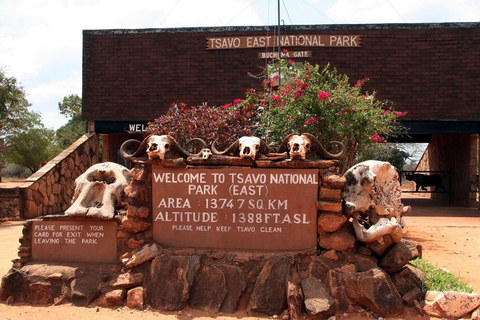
(235, 208)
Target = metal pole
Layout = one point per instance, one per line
(279, 76)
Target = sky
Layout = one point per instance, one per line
(41, 40)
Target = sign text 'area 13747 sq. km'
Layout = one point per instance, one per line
(235, 208)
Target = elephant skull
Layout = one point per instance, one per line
(372, 197)
(99, 190)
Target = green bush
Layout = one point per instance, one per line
(324, 103)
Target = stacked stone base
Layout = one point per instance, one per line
(314, 283)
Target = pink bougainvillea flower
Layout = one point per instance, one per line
(227, 106)
(276, 97)
(285, 51)
(385, 112)
(398, 113)
(312, 120)
(322, 95)
(291, 118)
(237, 101)
(376, 138)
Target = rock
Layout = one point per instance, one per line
(329, 205)
(116, 297)
(362, 262)
(135, 225)
(142, 255)
(140, 212)
(449, 304)
(331, 221)
(171, 278)
(374, 290)
(409, 298)
(399, 255)
(321, 265)
(381, 245)
(13, 285)
(340, 240)
(134, 244)
(135, 298)
(330, 194)
(127, 280)
(41, 293)
(318, 303)
(294, 299)
(268, 295)
(408, 278)
(333, 180)
(208, 290)
(140, 172)
(336, 282)
(236, 283)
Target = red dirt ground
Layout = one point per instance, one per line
(450, 237)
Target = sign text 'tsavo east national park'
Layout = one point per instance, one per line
(235, 208)
(298, 40)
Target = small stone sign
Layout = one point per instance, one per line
(235, 208)
(74, 241)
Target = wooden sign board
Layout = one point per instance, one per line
(235, 208)
(74, 241)
(297, 40)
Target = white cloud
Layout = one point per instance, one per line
(400, 11)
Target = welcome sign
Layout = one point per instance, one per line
(235, 208)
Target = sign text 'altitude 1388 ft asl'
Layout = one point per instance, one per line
(235, 208)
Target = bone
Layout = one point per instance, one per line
(99, 190)
(373, 195)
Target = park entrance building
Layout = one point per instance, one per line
(429, 71)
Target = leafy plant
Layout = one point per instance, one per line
(440, 280)
(324, 103)
(208, 123)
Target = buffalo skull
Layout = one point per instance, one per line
(157, 147)
(247, 147)
(298, 146)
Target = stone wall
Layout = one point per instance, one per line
(458, 153)
(50, 189)
(9, 203)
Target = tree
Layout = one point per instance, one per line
(71, 106)
(322, 102)
(14, 110)
(384, 152)
(31, 147)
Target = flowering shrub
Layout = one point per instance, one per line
(322, 102)
(208, 123)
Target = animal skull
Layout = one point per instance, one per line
(99, 190)
(299, 146)
(249, 147)
(372, 196)
(158, 146)
(206, 153)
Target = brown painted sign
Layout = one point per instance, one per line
(298, 40)
(235, 208)
(74, 241)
